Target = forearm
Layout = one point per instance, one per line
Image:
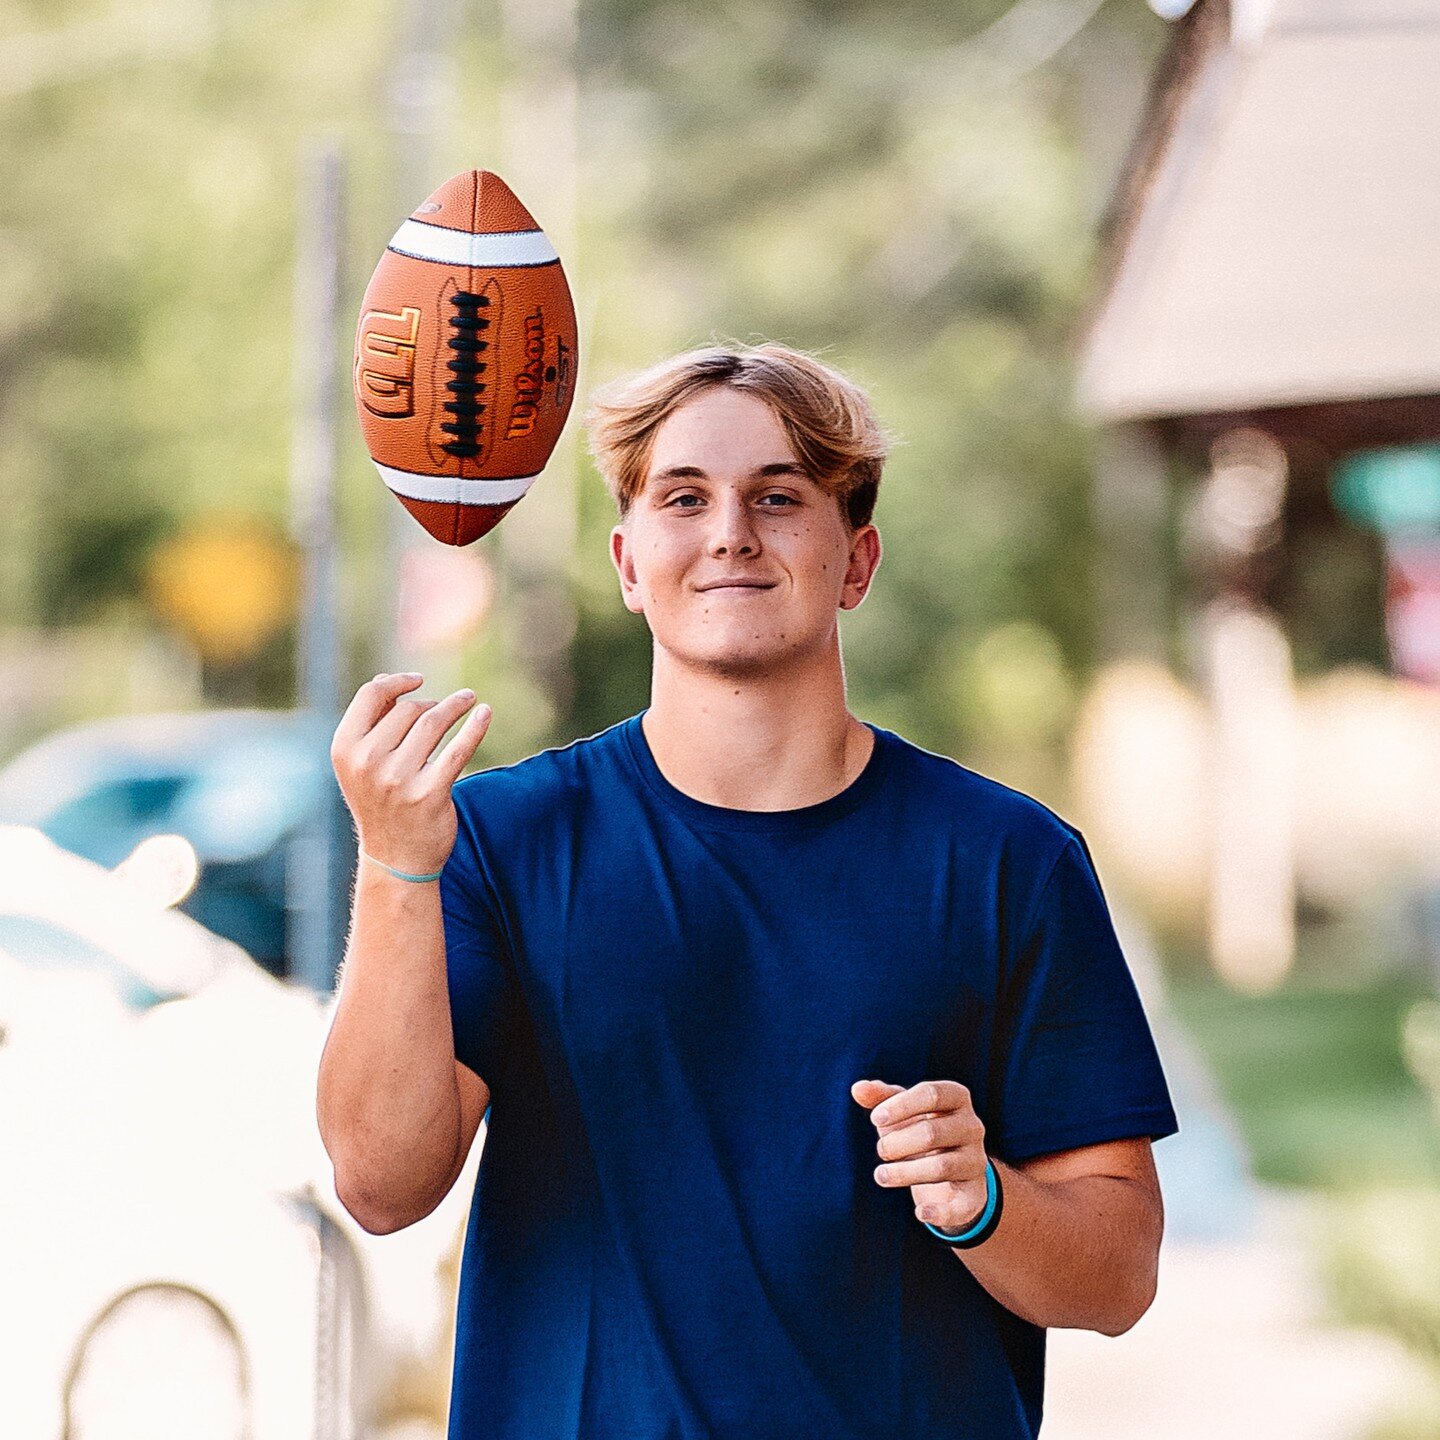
(387, 1101)
(1080, 1254)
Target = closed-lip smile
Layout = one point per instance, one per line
(739, 585)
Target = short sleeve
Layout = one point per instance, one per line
(1077, 1061)
(481, 984)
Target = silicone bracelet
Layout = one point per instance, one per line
(399, 874)
(988, 1219)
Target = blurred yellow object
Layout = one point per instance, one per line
(229, 582)
(1370, 763)
(1140, 770)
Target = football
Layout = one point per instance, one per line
(465, 357)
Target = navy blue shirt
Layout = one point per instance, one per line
(676, 1232)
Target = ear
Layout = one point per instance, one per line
(624, 565)
(860, 570)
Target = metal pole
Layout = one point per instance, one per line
(322, 855)
(537, 540)
(420, 85)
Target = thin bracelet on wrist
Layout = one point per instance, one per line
(399, 874)
(986, 1221)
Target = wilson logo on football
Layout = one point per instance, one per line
(385, 364)
(531, 379)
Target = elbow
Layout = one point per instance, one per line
(1117, 1327)
(373, 1222)
(1134, 1311)
(372, 1217)
(1142, 1292)
(377, 1205)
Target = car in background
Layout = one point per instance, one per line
(176, 1262)
(242, 787)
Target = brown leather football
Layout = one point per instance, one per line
(465, 357)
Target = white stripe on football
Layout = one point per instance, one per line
(461, 247)
(451, 489)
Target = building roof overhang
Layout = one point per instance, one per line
(1273, 242)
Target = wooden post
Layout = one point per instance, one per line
(1247, 672)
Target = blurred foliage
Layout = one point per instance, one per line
(855, 179)
(1383, 1264)
(1380, 1261)
(146, 253)
(1315, 1076)
(851, 180)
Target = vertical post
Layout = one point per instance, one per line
(420, 85)
(1247, 671)
(537, 539)
(322, 852)
(1252, 836)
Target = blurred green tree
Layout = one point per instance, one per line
(867, 180)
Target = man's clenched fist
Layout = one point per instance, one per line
(933, 1142)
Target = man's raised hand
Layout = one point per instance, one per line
(399, 796)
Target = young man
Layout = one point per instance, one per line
(771, 1002)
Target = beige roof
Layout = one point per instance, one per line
(1281, 241)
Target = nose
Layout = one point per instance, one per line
(734, 530)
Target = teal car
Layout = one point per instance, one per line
(249, 789)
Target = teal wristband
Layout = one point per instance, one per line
(399, 874)
(988, 1219)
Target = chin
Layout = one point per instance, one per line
(746, 657)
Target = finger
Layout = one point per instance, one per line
(869, 1093)
(911, 1120)
(427, 732)
(955, 1166)
(390, 732)
(927, 1134)
(456, 755)
(372, 700)
(928, 1095)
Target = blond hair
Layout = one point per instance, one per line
(827, 418)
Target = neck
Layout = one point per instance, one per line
(762, 742)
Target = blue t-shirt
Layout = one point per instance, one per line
(676, 1232)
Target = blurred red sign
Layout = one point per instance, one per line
(1412, 606)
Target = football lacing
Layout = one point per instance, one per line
(466, 407)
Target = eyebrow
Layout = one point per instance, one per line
(694, 472)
